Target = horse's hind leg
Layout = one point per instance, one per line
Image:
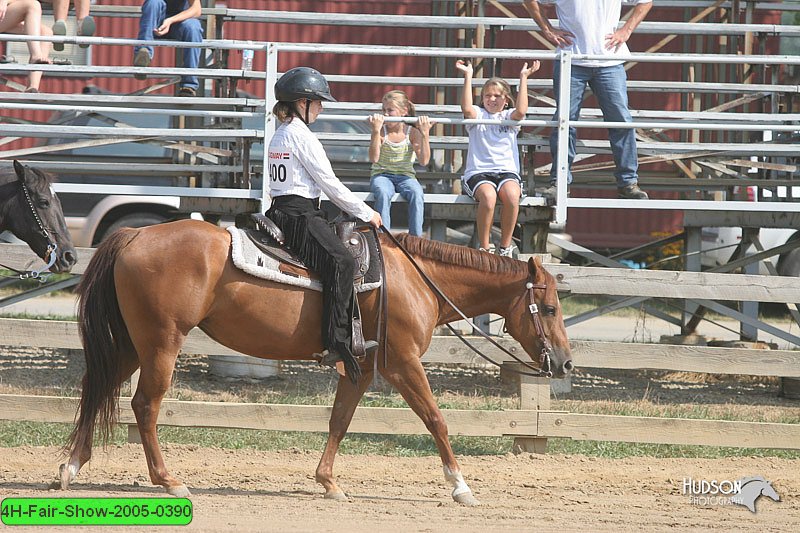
(409, 378)
(154, 381)
(344, 405)
(82, 451)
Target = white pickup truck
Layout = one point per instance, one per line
(719, 243)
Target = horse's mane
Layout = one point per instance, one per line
(459, 255)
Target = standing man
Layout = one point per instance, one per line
(171, 19)
(592, 28)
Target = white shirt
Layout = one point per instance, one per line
(298, 165)
(590, 21)
(492, 148)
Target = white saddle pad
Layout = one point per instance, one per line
(248, 258)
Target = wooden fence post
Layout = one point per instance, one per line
(534, 393)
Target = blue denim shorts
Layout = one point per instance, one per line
(497, 179)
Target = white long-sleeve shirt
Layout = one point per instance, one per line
(298, 165)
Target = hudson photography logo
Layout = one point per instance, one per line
(744, 491)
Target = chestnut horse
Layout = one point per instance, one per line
(145, 289)
(30, 209)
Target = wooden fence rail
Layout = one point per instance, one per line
(448, 350)
(533, 423)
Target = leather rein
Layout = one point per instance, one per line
(51, 247)
(545, 356)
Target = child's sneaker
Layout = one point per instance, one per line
(86, 28)
(490, 249)
(60, 30)
(511, 251)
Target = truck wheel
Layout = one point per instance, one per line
(134, 220)
(790, 264)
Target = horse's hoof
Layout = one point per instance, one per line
(66, 475)
(338, 496)
(179, 491)
(466, 498)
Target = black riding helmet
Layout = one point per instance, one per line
(302, 83)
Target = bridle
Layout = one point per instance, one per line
(545, 356)
(51, 246)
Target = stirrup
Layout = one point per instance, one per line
(361, 349)
(370, 345)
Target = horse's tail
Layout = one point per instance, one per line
(104, 336)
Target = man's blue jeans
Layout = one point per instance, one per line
(154, 12)
(383, 187)
(609, 86)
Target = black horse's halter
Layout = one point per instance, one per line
(545, 356)
(51, 246)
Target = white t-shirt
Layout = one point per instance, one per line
(492, 148)
(590, 21)
(298, 165)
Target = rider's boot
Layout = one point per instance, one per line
(331, 359)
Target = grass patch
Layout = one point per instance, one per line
(643, 408)
(50, 434)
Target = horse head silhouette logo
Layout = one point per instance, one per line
(752, 489)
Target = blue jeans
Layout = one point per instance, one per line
(383, 187)
(154, 12)
(609, 86)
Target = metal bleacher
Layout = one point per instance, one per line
(218, 156)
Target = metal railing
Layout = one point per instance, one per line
(772, 123)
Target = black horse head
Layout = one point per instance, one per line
(30, 209)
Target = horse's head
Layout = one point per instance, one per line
(536, 322)
(35, 216)
(769, 491)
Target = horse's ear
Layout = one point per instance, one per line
(533, 265)
(19, 168)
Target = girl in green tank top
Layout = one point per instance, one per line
(394, 147)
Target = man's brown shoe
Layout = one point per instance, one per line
(141, 59)
(632, 192)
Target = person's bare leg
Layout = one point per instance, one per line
(486, 197)
(509, 196)
(35, 78)
(24, 17)
(85, 22)
(82, 9)
(60, 9)
(32, 25)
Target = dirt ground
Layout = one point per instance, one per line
(247, 490)
(250, 490)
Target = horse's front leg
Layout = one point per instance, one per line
(409, 378)
(344, 405)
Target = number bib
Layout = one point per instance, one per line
(281, 169)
